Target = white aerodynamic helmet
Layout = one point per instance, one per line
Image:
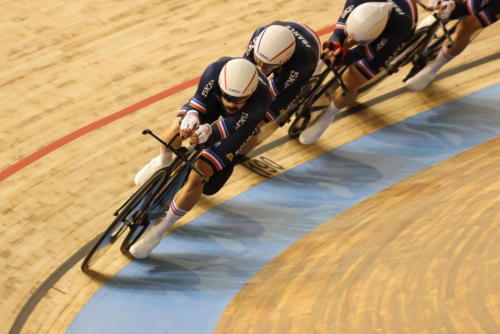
(238, 79)
(367, 21)
(274, 46)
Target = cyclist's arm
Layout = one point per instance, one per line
(339, 34)
(248, 117)
(251, 45)
(488, 14)
(207, 82)
(289, 76)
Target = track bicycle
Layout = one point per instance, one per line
(149, 203)
(316, 95)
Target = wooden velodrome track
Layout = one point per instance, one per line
(66, 165)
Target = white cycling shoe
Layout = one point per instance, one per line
(315, 130)
(145, 245)
(422, 79)
(147, 171)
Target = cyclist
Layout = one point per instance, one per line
(367, 36)
(288, 50)
(231, 88)
(475, 14)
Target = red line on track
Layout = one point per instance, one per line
(9, 171)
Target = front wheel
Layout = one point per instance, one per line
(299, 124)
(156, 209)
(128, 215)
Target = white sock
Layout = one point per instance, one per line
(165, 157)
(173, 215)
(319, 67)
(442, 58)
(330, 112)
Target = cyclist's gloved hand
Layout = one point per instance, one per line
(445, 9)
(190, 120)
(334, 52)
(203, 132)
(189, 123)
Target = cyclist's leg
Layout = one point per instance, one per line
(353, 79)
(183, 201)
(165, 157)
(462, 37)
(234, 154)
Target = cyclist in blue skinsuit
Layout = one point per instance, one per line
(288, 50)
(367, 36)
(475, 15)
(231, 88)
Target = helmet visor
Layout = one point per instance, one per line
(266, 66)
(235, 99)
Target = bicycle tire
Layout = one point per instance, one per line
(161, 203)
(303, 116)
(118, 226)
(297, 102)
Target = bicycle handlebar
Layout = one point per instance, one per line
(451, 45)
(330, 66)
(179, 153)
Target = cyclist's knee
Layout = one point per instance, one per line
(469, 25)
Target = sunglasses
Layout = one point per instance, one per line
(235, 99)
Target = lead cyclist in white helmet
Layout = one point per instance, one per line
(367, 36)
(288, 50)
(231, 100)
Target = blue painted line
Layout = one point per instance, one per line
(188, 281)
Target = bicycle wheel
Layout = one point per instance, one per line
(301, 110)
(311, 109)
(427, 49)
(156, 210)
(131, 211)
(298, 101)
(161, 203)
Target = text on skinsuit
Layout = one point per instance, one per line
(208, 88)
(241, 121)
(396, 8)
(394, 54)
(347, 11)
(299, 36)
(251, 46)
(291, 79)
(243, 145)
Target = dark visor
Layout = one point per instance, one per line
(235, 99)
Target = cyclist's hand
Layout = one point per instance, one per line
(444, 9)
(334, 52)
(202, 134)
(190, 120)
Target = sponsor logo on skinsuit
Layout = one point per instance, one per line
(208, 88)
